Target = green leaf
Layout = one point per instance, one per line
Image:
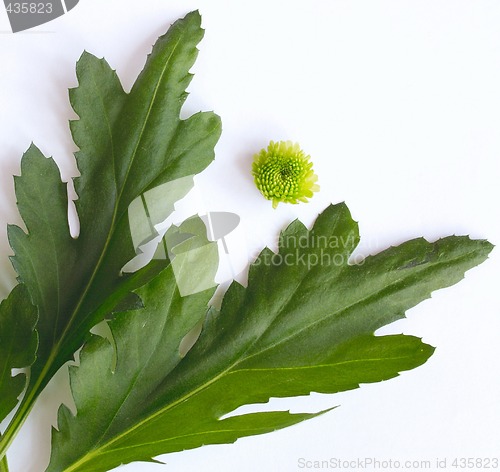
(305, 323)
(129, 144)
(18, 342)
(147, 346)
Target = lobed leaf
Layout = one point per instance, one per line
(305, 323)
(18, 342)
(147, 347)
(128, 143)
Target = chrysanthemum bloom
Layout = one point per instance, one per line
(284, 173)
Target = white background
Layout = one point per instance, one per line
(397, 102)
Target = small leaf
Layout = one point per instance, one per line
(305, 323)
(147, 343)
(18, 342)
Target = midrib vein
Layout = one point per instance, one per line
(141, 370)
(105, 449)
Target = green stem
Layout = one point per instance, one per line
(4, 467)
(14, 426)
(22, 413)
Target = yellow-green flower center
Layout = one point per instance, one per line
(283, 173)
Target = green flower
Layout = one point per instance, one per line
(283, 173)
